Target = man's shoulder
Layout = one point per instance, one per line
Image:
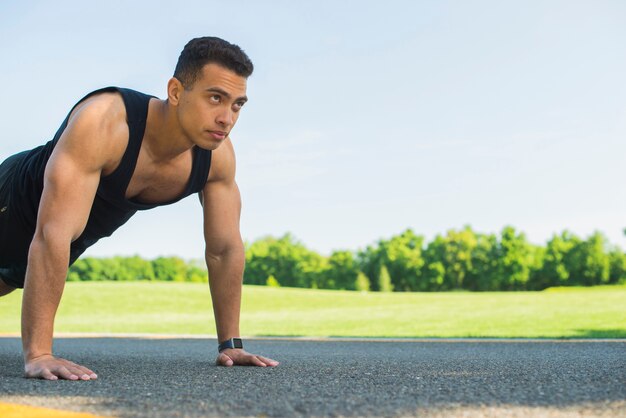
(222, 163)
(97, 125)
(103, 110)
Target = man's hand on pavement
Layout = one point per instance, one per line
(237, 356)
(52, 368)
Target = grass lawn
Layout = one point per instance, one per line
(185, 308)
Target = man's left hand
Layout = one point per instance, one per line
(238, 356)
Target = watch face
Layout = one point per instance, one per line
(238, 342)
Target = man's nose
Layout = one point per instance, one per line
(225, 117)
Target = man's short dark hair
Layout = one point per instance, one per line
(201, 51)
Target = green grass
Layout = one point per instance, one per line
(185, 308)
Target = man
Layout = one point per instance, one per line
(119, 151)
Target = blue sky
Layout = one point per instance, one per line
(365, 118)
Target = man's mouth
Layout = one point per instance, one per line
(218, 134)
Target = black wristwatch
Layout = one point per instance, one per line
(230, 343)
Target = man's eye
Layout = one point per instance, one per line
(238, 105)
(215, 98)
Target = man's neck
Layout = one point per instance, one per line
(164, 140)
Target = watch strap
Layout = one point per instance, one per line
(230, 343)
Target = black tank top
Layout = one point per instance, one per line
(110, 208)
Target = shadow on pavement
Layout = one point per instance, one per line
(603, 333)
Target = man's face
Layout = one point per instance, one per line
(209, 111)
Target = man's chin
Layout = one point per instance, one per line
(209, 146)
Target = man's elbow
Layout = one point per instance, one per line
(50, 237)
(232, 251)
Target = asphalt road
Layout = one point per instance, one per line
(177, 377)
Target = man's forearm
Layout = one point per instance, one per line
(45, 279)
(225, 281)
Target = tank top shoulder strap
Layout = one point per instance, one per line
(113, 186)
(201, 166)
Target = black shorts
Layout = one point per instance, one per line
(15, 239)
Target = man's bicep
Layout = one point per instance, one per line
(73, 171)
(68, 194)
(221, 202)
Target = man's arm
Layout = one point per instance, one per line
(71, 179)
(225, 255)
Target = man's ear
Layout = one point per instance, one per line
(174, 90)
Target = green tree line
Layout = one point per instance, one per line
(459, 259)
(136, 268)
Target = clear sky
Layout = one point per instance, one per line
(365, 118)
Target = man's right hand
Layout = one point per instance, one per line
(52, 368)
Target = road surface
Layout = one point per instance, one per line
(140, 377)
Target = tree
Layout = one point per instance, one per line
(362, 282)
(286, 259)
(311, 267)
(341, 271)
(169, 269)
(259, 265)
(197, 271)
(588, 261)
(554, 271)
(384, 280)
(448, 259)
(459, 246)
(515, 261)
(135, 268)
(272, 282)
(89, 269)
(483, 274)
(617, 264)
(433, 275)
(368, 262)
(85, 269)
(402, 254)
